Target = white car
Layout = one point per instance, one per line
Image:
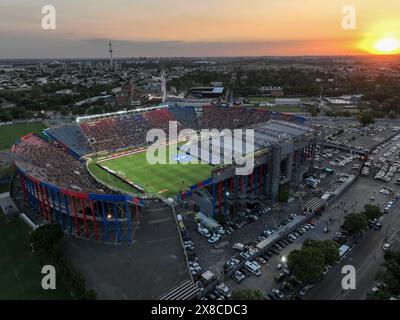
(238, 276)
(252, 268)
(384, 191)
(386, 246)
(223, 289)
(214, 238)
(204, 232)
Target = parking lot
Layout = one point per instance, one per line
(146, 269)
(268, 272)
(214, 256)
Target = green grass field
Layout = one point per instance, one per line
(20, 270)
(10, 133)
(278, 108)
(166, 179)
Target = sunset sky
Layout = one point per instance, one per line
(196, 28)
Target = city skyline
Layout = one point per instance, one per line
(177, 28)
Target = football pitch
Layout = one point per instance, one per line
(10, 133)
(165, 179)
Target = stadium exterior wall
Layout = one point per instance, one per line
(101, 217)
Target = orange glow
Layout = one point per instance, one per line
(387, 46)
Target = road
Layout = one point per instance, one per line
(366, 257)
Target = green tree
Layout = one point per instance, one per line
(45, 237)
(5, 116)
(372, 212)
(307, 264)
(36, 93)
(390, 275)
(366, 118)
(247, 294)
(355, 222)
(329, 249)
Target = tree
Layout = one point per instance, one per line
(247, 294)
(329, 249)
(5, 116)
(355, 222)
(45, 237)
(380, 295)
(366, 118)
(307, 264)
(372, 212)
(391, 274)
(392, 115)
(36, 93)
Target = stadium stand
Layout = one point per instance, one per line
(159, 118)
(185, 116)
(72, 137)
(43, 160)
(232, 117)
(120, 132)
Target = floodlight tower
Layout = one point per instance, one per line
(163, 85)
(111, 54)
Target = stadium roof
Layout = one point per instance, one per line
(265, 135)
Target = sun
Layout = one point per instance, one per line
(387, 46)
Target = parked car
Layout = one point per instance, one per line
(250, 266)
(224, 290)
(238, 276)
(239, 246)
(245, 272)
(261, 260)
(214, 238)
(274, 251)
(278, 294)
(280, 277)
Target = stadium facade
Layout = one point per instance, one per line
(284, 155)
(56, 185)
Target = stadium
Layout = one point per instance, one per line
(93, 179)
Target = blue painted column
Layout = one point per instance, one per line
(129, 220)
(68, 213)
(57, 215)
(60, 209)
(118, 236)
(29, 188)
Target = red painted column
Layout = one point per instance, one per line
(39, 199)
(47, 205)
(75, 216)
(231, 184)
(96, 235)
(84, 219)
